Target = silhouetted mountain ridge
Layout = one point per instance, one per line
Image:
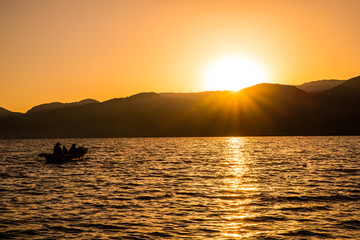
(340, 107)
(263, 109)
(349, 88)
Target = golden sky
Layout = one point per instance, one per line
(66, 50)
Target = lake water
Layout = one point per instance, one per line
(183, 188)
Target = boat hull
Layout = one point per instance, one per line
(61, 158)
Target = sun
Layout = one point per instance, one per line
(233, 73)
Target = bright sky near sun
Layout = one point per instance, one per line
(65, 50)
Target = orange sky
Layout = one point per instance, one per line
(69, 50)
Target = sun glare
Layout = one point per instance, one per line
(233, 73)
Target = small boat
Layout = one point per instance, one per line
(67, 157)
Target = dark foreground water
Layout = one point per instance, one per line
(176, 188)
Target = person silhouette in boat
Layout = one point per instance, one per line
(65, 151)
(58, 152)
(73, 149)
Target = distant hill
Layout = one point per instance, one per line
(319, 86)
(56, 105)
(263, 109)
(4, 113)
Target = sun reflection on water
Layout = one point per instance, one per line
(238, 189)
(237, 164)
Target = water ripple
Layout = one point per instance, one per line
(183, 188)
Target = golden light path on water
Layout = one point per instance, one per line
(235, 184)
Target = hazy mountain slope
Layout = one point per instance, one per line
(4, 113)
(319, 86)
(56, 105)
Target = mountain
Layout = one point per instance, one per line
(263, 109)
(56, 105)
(347, 89)
(340, 106)
(319, 86)
(4, 113)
